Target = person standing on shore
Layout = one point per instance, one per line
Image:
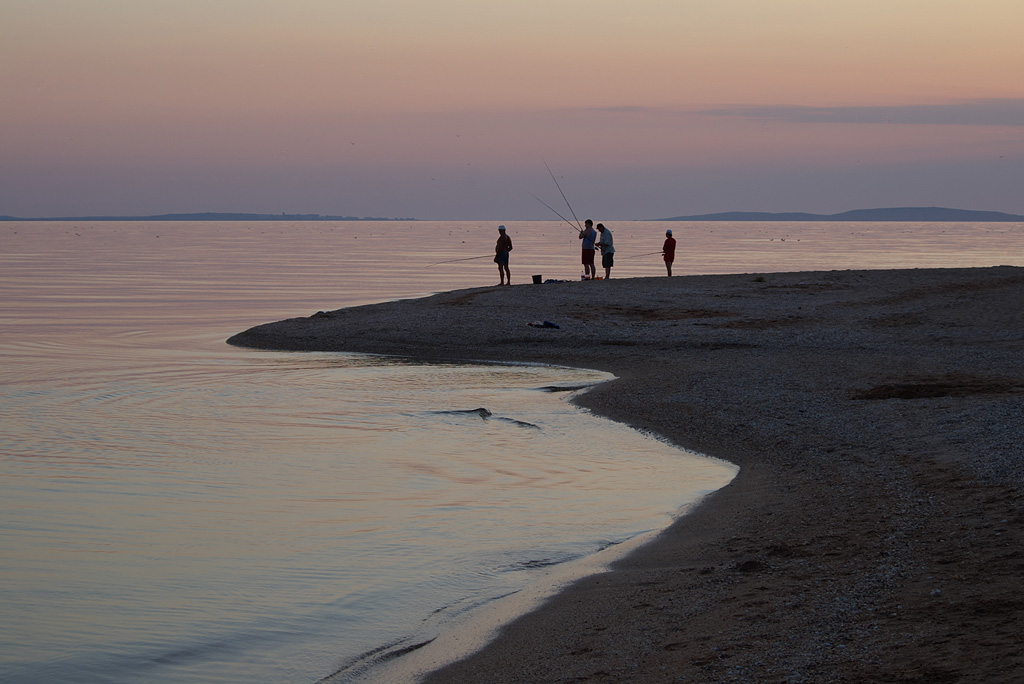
(607, 250)
(669, 250)
(588, 235)
(501, 250)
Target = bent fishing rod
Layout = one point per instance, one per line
(550, 173)
(556, 213)
(577, 227)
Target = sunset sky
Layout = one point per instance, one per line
(449, 109)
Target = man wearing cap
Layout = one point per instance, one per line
(501, 251)
(669, 250)
(607, 250)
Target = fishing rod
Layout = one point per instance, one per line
(553, 209)
(449, 261)
(563, 196)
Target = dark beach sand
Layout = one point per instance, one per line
(874, 532)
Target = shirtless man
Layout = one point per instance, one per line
(501, 250)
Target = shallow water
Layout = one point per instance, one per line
(173, 509)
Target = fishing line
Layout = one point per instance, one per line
(449, 261)
(632, 256)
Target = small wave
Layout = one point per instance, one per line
(520, 423)
(377, 656)
(539, 563)
(482, 412)
(565, 388)
(487, 415)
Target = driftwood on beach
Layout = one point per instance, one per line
(874, 531)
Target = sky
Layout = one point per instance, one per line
(455, 109)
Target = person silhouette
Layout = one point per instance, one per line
(607, 250)
(669, 250)
(501, 250)
(588, 236)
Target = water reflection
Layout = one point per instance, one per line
(173, 509)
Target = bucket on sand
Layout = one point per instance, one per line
(536, 280)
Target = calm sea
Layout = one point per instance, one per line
(173, 509)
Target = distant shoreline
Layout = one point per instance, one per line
(892, 214)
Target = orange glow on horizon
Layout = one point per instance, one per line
(372, 83)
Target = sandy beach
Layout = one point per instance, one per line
(874, 532)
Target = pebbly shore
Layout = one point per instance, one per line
(874, 532)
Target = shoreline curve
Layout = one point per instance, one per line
(873, 532)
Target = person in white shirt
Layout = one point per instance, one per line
(607, 250)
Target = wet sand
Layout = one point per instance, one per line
(874, 532)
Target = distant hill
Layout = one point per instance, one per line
(891, 214)
(210, 216)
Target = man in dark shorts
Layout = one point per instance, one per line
(501, 251)
(607, 250)
(588, 236)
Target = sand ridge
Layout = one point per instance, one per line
(874, 532)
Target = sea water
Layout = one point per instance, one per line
(173, 509)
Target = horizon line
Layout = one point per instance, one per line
(875, 214)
